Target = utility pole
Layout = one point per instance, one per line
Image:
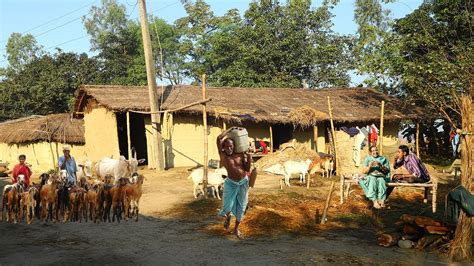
(150, 76)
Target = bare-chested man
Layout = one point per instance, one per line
(237, 184)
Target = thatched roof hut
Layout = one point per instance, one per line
(55, 128)
(271, 105)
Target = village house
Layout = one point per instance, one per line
(275, 115)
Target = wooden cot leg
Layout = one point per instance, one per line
(342, 188)
(425, 197)
(435, 194)
(348, 187)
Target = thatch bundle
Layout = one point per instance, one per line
(55, 127)
(288, 151)
(306, 116)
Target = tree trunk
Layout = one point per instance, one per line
(461, 246)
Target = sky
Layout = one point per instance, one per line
(58, 23)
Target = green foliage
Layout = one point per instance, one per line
(46, 84)
(21, 49)
(426, 57)
(272, 46)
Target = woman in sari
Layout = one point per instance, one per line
(377, 170)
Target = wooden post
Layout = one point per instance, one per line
(271, 139)
(417, 140)
(129, 143)
(204, 122)
(381, 128)
(315, 136)
(461, 245)
(328, 200)
(336, 159)
(152, 93)
(224, 125)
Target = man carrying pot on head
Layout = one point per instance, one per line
(237, 162)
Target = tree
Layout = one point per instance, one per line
(21, 50)
(118, 42)
(430, 55)
(273, 45)
(46, 85)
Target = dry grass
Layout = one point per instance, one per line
(55, 127)
(306, 116)
(288, 151)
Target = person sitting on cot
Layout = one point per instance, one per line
(409, 168)
(377, 170)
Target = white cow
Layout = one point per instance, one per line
(299, 168)
(117, 168)
(84, 170)
(214, 180)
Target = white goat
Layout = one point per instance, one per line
(295, 167)
(214, 180)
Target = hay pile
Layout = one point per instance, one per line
(306, 116)
(288, 151)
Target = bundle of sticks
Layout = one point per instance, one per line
(418, 232)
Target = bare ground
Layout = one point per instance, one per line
(174, 228)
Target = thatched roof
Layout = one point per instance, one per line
(35, 128)
(272, 105)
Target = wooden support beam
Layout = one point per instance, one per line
(333, 132)
(204, 122)
(174, 110)
(381, 128)
(417, 139)
(271, 139)
(129, 143)
(315, 136)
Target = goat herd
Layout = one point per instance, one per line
(53, 198)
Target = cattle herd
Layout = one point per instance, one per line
(118, 189)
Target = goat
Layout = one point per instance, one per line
(11, 200)
(49, 199)
(93, 202)
(28, 201)
(295, 167)
(133, 193)
(214, 180)
(117, 195)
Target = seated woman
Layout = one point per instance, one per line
(374, 184)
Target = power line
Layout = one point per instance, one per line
(54, 19)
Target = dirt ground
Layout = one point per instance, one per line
(175, 228)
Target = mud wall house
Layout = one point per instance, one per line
(270, 114)
(41, 139)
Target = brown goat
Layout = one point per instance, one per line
(49, 199)
(76, 204)
(28, 202)
(93, 202)
(11, 199)
(133, 193)
(117, 195)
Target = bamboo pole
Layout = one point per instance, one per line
(315, 136)
(328, 200)
(129, 143)
(224, 125)
(204, 121)
(173, 110)
(381, 128)
(271, 139)
(417, 140)
(336, 159)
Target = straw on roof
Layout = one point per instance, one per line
(35, 128)
(305, 116)
(271, 105)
